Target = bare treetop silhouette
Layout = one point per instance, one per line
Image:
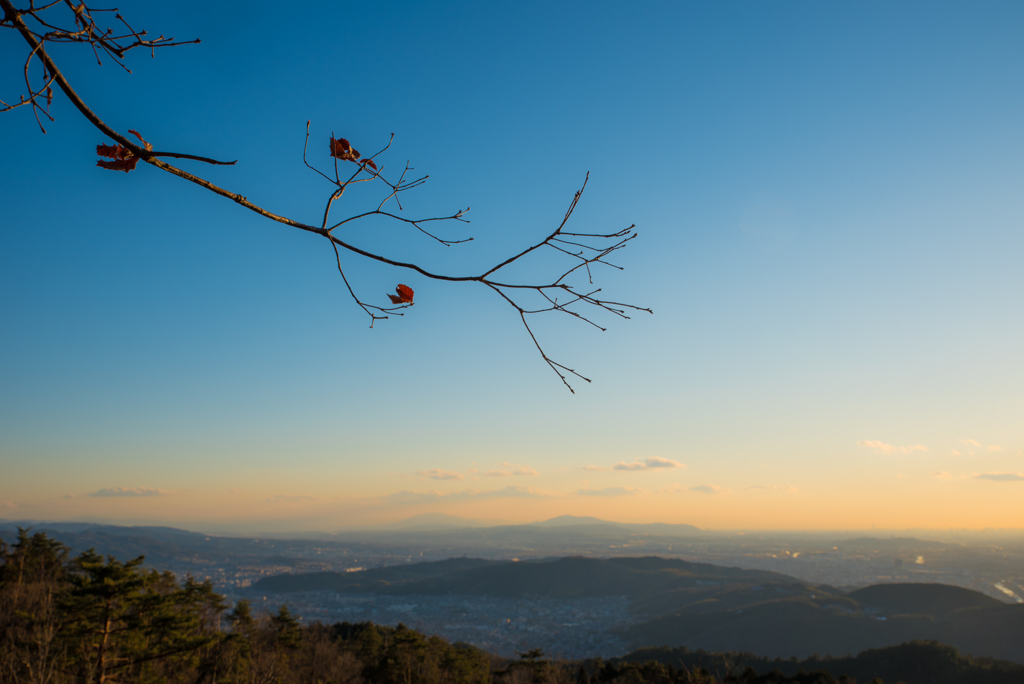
(64, 21)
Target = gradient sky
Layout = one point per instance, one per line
(830, 206)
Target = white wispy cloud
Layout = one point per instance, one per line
(608, 491)
(883, 448)
(971, 442)
(595, 468)
(1001, 477)
(776, 488)
(708, 489)
(408, 497)
(995, 447)
(128, 491)
(942, 475)
(653, 463)
(438, 474)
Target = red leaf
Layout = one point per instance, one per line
(404, 296)
(339, 146)
(126, 165)
(124, 159)
(371, 163)
(341, 149)
(149, 148)
(112, 151)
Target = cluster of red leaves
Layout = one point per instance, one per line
(342, 149)
(124, 159)
(404, 295)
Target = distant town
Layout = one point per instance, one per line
(570, 627)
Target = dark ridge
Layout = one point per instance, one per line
(803, 626)
(922, 599)
(375, 579)
(915, 662)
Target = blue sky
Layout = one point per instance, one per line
(829, 207)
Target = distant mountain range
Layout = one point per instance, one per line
(704, 606)
(435, 522)
(416, 523)
(193, 552)
(560, 532)
(164, 545)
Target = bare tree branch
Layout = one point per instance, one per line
(583, 249)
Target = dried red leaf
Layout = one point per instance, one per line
(341, 149)
(112, 151)
(149, 148)
(125, 165)
(404, 296)
(370, 162)
(339, 146)
(124, 159)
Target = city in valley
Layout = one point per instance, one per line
(570, 626)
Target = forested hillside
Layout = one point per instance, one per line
(916, 662)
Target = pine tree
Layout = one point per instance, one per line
(32, 576)
(124, 620)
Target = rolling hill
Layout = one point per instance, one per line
(640, 579)
(715, 608)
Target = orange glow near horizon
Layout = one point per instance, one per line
(897, 502)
